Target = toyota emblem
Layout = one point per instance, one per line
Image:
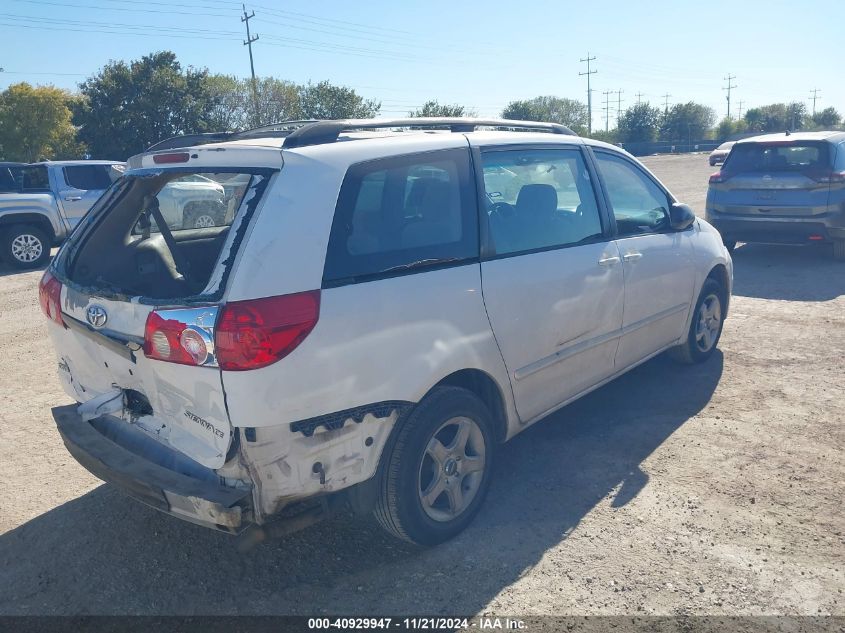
(96, 316)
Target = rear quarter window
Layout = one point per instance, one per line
(89, 177)
(404, 213)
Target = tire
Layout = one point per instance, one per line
(730, 245)
(26, 246)
(202, 215)
(839, 250)
(692, 350)
(426, 455)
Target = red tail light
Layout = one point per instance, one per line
(174, 341)
(717, 178)
(50, 297)
(257, 333)
(832, 177)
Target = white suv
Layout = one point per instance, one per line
(375, 314)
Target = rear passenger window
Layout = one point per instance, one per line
(539, 199)
(639, 205)
(88, 177)
(402, 214)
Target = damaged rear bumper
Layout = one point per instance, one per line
(152, 473)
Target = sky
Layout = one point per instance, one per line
(478, 54)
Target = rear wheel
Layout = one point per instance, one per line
(839, 250)
(437, 471)
(706, 327)
(25, 246)
(203, 215)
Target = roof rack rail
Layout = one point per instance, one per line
(321, 132)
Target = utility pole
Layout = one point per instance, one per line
(739, 116)
(815, 96)
(248, 42)
(729, 79)
(666, 102)
(607, 94)
(589, 92)
(639, 97)
(618, 105)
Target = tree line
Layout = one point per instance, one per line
(128, 106)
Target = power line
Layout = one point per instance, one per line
(589, 72)
(815, 96)
(618, 104)
(639, 96)
(739, 116)
(666, 102)
(730, 85)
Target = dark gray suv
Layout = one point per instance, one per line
(784, 188)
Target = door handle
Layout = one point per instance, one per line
(631, 257)
(73, 198)
(608, 261)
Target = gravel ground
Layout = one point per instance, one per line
(715, 489)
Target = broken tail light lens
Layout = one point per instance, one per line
(50, 297)
(254, 334)
(184, 336)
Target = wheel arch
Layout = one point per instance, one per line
(35, 219)
(719, 274)
(487, 389)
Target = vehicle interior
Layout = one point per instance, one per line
(145, 256)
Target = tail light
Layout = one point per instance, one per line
(831, 177)
(184, 336)
(257, 333)
(50, 297)
(717, 178)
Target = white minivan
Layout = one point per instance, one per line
(383, 303)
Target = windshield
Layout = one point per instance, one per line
(163, 234)
(800, 157)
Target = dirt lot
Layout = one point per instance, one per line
(715, 489)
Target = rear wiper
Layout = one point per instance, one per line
(421, 263)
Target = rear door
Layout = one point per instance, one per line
(551, 276)
(779, 178)
(127, 298)
(79, 186)
(658, 262)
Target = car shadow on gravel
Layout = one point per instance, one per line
(791, 273)
(105, 554)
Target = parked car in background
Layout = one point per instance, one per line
(379, 312)
(786, 188)
(45, 202)
(10, 176)
(718, 155)
(195, 201)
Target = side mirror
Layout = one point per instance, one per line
(681, 216)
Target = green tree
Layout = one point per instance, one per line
(327, 101)
(777, 117)
(686, 122)
(35, 123)
(827, 118)
(435, 109)
(568, 112)
(639, 123)
(131, 106)
(729, 128)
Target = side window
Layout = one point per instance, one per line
(840, 158)
(35, 178)
(403, 213)
(539, 199)
(639, 205)
(88, 177)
